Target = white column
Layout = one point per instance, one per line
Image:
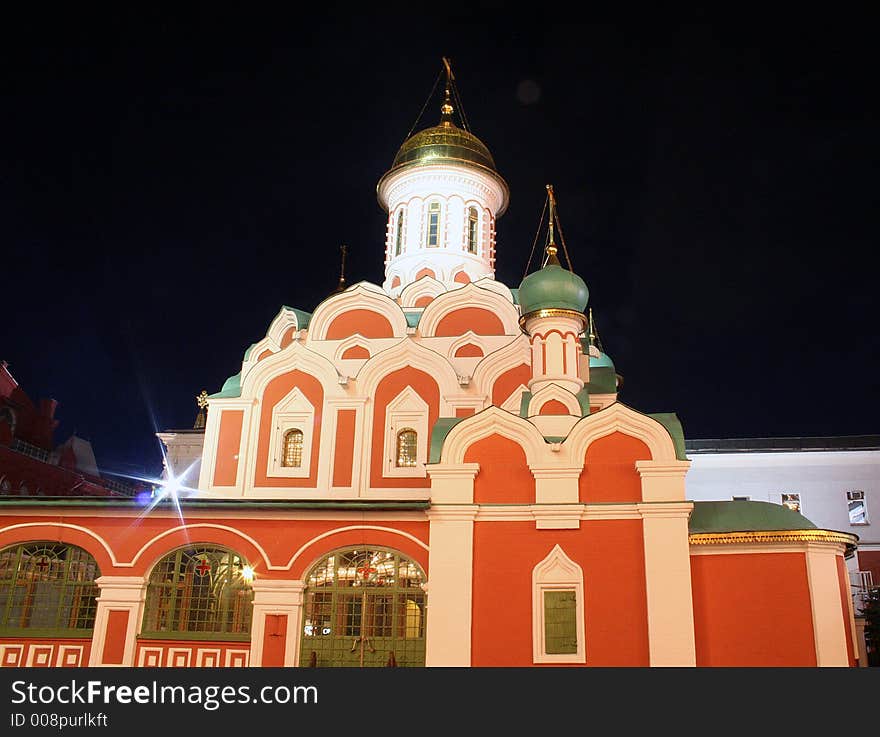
(668, 584)
(663, 481)
(118, 594)
(277, 597)
(450, 585)
(829, 620)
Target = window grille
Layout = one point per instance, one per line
(47, 588)
(199, 593)
(473, 223)
(433, 224)
(560, 622)
(398, 244)
(407, 448)
(361, 606)
(293, 449)
(855, 502)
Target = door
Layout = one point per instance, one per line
(364, 608)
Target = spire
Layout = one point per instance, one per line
(446, 109)
(592, 333)
(550, 250)
(202, 401)
(341, 286)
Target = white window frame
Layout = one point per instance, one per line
(406, 410)
(557, 572)
(428, 223)
(293, 412)
(850, 498)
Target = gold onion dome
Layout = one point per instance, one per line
(443, 143)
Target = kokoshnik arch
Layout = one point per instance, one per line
(432, 471)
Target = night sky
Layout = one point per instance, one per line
(167, 182)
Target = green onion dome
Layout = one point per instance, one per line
(553, 288)
(603, 361)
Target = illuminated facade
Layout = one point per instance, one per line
(435, 471)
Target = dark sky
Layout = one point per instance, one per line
(167, 182)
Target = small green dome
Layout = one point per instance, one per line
(603, 361)
(553, 288)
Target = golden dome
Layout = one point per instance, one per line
(444, 143)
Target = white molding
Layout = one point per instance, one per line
(357, 297)
(470, 295)
(424, 287)
(620, 418)
(560, 394)
(292, 412)
(406, 410)
(557, 572)
(492, 421)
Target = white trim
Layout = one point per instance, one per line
(292, 412)
(406, 410)
(550, 392)
(356, 298)
(557, 572)
(470, 295)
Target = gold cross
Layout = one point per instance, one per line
(202, 399)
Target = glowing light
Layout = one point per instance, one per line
(247, 573)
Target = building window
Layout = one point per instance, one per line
(47, 588)
(201, 593)
(293, 449)
(792, 501)
(407, 448)
(558, 610)
(855, 502)
(398, 240)
(560, 622)
(740, 498)
(473, 230)
(434, 224)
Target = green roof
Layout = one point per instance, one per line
(231, 388)
(742, 516)
(412, 318)
(302, 318)
(603, 380)
(438, 436)
(515, 294)
(553, 288)
(670, 421)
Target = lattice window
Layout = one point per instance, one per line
(293, 449)
(433, 224)
(364, 607)
(199, 593)
(407, 448)
(47, 588)
(473, 230)
(560, 622)
(398, 241)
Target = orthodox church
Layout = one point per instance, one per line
(434, 471)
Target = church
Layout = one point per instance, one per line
(432, 471)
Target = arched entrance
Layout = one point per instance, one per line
(364, 607)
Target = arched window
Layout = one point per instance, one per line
(473, 230)
(361, 606)
(398, 240)
(200, 592)
(407, 443)
(293, 449)
(433, 224)
(47, 588)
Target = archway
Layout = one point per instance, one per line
(364, 607)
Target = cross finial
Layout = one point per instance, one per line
(344, 249)
(551, 243)
(447, 109)
(202, 399)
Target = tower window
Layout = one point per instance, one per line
(473, 230)
(855, 502)
(293, 449)
(398, 240)
(792, 501)
(434, 224)
(407, 444)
